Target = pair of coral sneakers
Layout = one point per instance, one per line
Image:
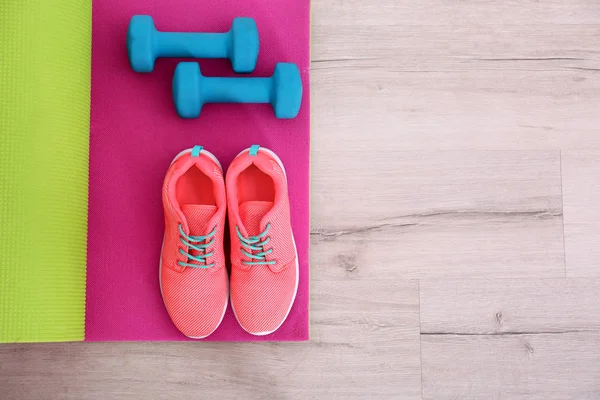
(264, 262)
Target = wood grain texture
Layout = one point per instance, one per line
(364, 344)
(517, 339)
(410, 215)
(581, 193)
(456, 75)
(521, 366)
(509, 306)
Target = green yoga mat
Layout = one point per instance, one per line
(45, 61)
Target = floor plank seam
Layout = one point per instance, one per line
(509, 333)
(420, 341)
(562, 207)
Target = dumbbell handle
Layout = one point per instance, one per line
(188, 44)
(236, 90)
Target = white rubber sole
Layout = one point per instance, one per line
(212, 157)
(295, 250)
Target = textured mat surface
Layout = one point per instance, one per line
(44, 134)
(135, 133)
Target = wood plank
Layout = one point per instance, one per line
(441, 12)
(509, 306)
(509, 366)
(411, 215)
(364, 344)
(448, 110)
(462, 75)
(581, 197)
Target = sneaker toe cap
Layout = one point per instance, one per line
(195, 299)
(262, 299)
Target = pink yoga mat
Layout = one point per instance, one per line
(135, 133)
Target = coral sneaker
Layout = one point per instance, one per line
(193, 276)
(264, 260)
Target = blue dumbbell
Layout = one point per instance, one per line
(145, 44)
(191, 90)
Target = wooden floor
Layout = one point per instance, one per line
(455, 246)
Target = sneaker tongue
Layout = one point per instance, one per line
(252, 213)
(197, 217)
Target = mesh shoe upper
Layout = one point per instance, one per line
(193, 273)
(264, 274)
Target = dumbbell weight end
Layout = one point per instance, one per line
(287, 90)
(186, 90)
